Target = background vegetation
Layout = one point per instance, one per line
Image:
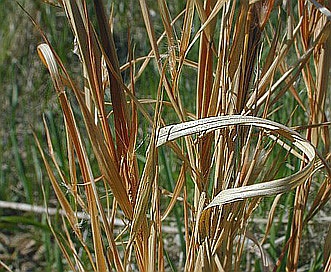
(33, 240)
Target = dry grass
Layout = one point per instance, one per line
(252, 57)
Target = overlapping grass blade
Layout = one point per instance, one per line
(225, 169)
(263, 189)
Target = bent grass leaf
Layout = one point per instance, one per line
(273, 187)
(47, 56)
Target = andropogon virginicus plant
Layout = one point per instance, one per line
(249, 59)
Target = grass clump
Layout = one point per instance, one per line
(222, 71)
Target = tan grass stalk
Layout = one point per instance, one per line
(317, 104)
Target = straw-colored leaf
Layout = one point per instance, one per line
(60, 195)
(179, 185)
(273, 187)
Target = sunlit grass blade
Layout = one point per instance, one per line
(272, 187)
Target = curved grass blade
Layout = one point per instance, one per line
(273, 187)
